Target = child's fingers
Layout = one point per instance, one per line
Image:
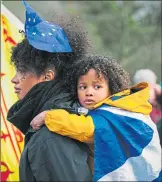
(36, 127)
(34, 124)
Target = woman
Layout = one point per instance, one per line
(40, 69)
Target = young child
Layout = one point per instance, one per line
(125, 140)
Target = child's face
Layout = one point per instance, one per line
(92, 89)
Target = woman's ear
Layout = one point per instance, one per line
(49, 75)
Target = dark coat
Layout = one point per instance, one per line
(51, 157)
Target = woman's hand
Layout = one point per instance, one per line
(38, 121)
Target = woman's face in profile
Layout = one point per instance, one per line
(23, 82)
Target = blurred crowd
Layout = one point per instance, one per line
(147, 75)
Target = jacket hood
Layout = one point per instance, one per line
(134, 99)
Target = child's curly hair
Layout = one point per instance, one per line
(26, 58)
(118, 79)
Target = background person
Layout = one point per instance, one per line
(150, 77)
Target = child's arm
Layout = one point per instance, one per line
(60, 121)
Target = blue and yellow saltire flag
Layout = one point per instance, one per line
(11, 137)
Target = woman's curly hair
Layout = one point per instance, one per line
(26, 58)
(118, 79)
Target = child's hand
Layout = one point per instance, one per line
(38, 121)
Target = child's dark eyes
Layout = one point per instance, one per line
(97, 86)
(82, 87)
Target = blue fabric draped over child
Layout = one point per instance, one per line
(123, 142)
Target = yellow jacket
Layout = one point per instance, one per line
(81, 127)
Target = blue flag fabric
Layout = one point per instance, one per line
(126, 146)
(44, 35)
